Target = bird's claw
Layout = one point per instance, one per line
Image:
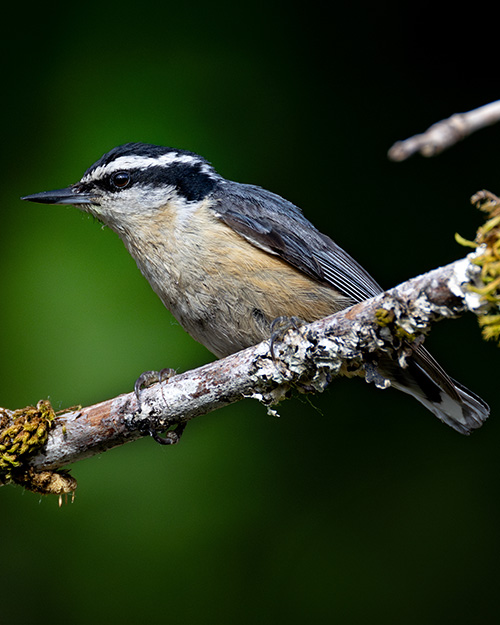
(279, 327)
(147, 379)
(172, 437)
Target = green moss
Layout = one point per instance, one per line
(22, 433)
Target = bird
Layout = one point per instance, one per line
(228, 259)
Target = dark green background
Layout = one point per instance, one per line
(357, 508)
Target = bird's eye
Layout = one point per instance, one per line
(120, 179)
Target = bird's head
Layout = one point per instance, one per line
(136, 180)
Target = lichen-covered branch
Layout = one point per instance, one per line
(306, 358)
(446, 132)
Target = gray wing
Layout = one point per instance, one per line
(279, 227)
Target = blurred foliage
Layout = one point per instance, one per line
(357, 508)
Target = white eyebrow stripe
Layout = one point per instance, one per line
(143, 162)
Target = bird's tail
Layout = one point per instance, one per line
(451, 402)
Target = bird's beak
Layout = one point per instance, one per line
(71, 195)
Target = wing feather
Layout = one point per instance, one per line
(279, 227)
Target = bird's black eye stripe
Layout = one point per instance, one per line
(190, 181)
(120, 180)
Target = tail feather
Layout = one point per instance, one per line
(447, 399)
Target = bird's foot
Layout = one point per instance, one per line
(171, 437)
(145, 380)
(279, 327)
(148, 378)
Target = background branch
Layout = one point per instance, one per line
(446, 132)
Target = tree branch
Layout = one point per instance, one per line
(306, 358)
(446, 132)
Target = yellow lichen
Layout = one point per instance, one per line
(387, 318)
(384, 317)
(487, 242)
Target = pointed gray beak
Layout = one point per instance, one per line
(71, 195)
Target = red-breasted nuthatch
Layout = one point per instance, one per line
(228, 258)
